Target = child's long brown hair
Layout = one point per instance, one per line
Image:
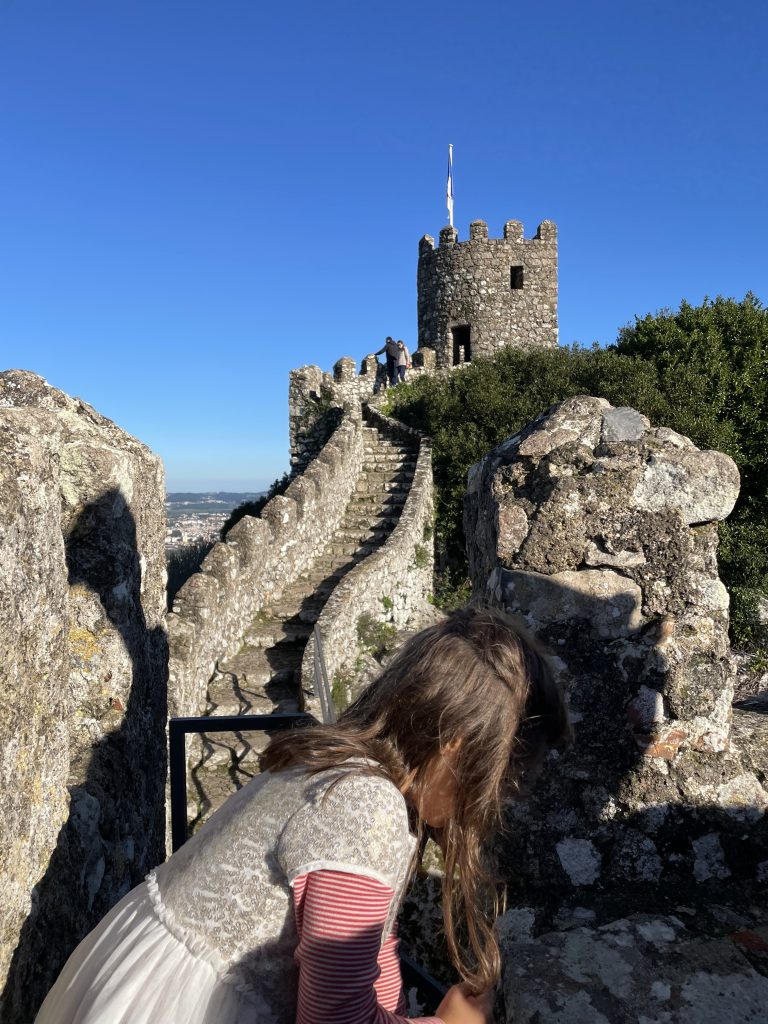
(476, 679)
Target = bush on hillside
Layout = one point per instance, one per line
(724, 343)
(701, 371)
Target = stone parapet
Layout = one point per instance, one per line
(601, 532)
(316, 398)
(397, 578)
(255, 563)
(83, 668)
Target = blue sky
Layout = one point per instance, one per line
(196, 197)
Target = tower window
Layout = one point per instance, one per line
(515, 277)
(462, 350)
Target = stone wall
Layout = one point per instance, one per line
(259, 557)
(601, 532)
(391, 585)
(83, 661)
(316, 399)
(503, 289)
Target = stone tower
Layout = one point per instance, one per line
(476, 297)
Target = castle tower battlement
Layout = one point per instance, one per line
(480, 295)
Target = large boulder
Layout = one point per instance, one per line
(600, 531)
(83, 664)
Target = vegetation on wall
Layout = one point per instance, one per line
(702, 371)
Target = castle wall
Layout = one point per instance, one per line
(600, 531)
(83, 662)
(315, 400)
(391, 584)
(259, 557)
(471, 283)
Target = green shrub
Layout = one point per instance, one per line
(702, 371)
(452, 589)
(375, 637)
(421, 557)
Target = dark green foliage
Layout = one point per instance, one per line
(452, 588)
(254, 508)
(183, 562)
(722, 345)
(375, 637)
(702, 371)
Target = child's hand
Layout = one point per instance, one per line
(458, 1007)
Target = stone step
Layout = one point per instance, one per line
(267, 634)
(380, 485)
(389, 459)
(380, 476)
(334, 566)
(371, 512)
(363, 532)
(349, 548)
(368, 496)
(263, 670)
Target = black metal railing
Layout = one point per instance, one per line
(429, 990)
(179, 728)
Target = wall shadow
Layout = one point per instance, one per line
(115, 832)
(608, 828)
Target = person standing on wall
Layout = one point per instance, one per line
(392, 352)
(403, 360)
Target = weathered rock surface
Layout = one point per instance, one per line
(83, 663)
(600, 531)
(637, 970)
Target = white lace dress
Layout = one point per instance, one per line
(209, 937)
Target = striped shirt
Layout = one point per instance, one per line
(346, 974)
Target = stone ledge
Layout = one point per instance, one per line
(637, 970)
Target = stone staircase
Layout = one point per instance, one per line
(264, 676)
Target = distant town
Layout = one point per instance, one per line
(195, 518)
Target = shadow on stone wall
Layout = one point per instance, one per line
(115, 831)
(608, 825)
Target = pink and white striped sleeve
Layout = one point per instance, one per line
(346, 975)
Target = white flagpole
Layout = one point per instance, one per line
(449, 187)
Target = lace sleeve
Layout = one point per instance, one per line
(358, 824)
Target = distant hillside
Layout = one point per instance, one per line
(230, 498)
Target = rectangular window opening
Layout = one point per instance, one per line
(462, 346)
(515, 277)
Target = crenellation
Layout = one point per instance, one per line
(546, 231)
(478, 230)
(513, 231)
(344, 369)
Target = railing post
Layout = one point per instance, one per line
(177, 764)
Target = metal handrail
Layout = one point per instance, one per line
(430, 990)
(177, 759)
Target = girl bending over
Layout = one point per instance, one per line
(282, 907)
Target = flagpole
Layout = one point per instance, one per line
(449, 186)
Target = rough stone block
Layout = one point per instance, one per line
(83, 659)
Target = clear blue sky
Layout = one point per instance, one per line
(196, 197)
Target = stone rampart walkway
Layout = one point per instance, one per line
(264, 676)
